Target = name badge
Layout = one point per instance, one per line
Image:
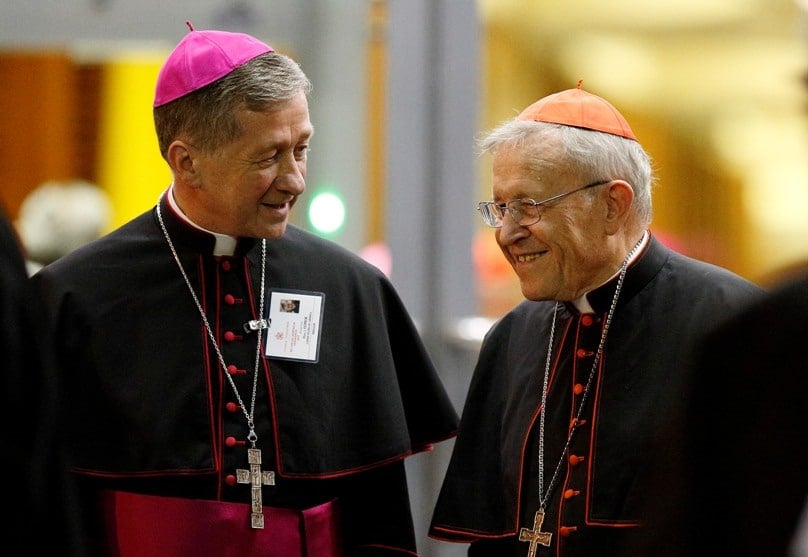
(295, 318)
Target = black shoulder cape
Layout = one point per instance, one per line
(143, 390)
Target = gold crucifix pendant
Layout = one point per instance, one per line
(535, 536)
(256, 478)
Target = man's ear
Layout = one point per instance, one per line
(181, 160)
(620, 196)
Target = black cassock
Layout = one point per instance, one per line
(732, 484)
(38, 489)
(490, 490)
(150, 412)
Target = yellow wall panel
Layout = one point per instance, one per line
(130, 166)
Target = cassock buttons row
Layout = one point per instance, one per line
(566, 531)
(231, 441)
(231, 406)
(231, 300)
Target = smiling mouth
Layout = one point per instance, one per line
(528, 257)
(276, 206)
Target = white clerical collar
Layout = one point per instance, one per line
(225, 245)
(582, 304)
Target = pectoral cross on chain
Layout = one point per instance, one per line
(256, 478)
(535, 536)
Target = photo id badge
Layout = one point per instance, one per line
(295, 318)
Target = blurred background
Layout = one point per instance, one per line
(714, 89)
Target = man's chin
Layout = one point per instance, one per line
(273, 232)
(535, 292)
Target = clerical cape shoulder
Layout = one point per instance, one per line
(141, 405)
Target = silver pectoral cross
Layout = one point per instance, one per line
(256, 478)
(535, 536)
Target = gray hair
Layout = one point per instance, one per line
(207, 116)
(589, 154)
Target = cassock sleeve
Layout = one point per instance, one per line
(467, 504)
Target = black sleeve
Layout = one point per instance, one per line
(40, 492)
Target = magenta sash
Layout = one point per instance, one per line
(150, 526)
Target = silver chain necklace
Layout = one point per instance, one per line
(536, 536)
(254, 476)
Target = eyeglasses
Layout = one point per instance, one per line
(524, 212)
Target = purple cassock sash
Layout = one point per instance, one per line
(149, 526)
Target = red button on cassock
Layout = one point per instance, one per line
(233, 442)
(233, 370)
(575, 460)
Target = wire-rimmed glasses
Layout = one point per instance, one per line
(525, 211)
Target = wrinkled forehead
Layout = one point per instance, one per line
(541, 159)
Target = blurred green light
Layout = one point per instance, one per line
(326, 212)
